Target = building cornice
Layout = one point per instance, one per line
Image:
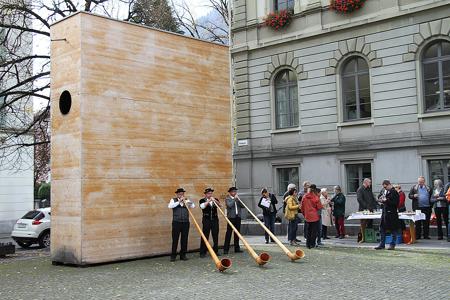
(382, 15)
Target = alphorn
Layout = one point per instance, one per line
(293, 256)
(222, 264)
(261, 259)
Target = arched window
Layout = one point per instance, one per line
(286, 101)
(436, 76)
(356, 89)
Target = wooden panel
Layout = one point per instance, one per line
(155, 115)
(66, 144)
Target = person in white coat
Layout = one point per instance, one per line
(326, 213)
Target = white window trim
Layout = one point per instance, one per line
(339, 97)
(419, 79)
(273, 121)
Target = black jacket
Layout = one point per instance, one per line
(209, 212)
(274, 201)
(389, 215)
(366, 199)
(415, 201)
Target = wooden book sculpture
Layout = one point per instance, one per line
(136, 112)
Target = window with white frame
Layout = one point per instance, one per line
(436, 76)
(286, 99)
(355, 174)
(284, 5)
(285, 176)
(439, 169)
(356, 89)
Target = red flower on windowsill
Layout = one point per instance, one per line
(278, 19)
(346, 6)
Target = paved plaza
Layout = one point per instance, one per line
(334, 271)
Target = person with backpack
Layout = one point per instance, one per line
(291, 214)
(290, 187)
(440, 203)
(310, 207)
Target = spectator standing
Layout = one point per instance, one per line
(268, 203)
(326, 213)
(290, 187)
(291, 213)
(402, 202)
(366, 201)
(338, 203)
(389, 200)
(310, 207)
(447, 196)
(420, 194)
(440, 206)
(306, 185)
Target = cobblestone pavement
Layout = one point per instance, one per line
(326, 273)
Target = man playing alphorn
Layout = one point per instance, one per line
(210, 221)
(234, 214)
(180, 223)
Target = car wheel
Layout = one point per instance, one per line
(44, 239)
(24, 245)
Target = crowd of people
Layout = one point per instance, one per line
(319, 211)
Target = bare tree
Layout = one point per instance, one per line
(214, 27)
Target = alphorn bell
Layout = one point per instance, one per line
(293, 256)
(261, 259)
(222, 264)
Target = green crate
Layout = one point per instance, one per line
(369, 235)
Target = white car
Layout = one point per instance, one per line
(33, 228)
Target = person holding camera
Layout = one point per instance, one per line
(389, 200)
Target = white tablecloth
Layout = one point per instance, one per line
(401, 216)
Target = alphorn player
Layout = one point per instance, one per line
(180, 223)
(234, 208)
(210, 221)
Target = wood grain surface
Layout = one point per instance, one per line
(150, 112)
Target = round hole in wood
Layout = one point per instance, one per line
(65, 102)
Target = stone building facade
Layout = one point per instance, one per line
(333, 98)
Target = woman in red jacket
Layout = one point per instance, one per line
(310, 207)
(401, 204)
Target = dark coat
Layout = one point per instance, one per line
(209, 212)
(389, 215)
(338, 205)
(366, 199)
(274, 201)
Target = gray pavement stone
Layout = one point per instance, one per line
(331, 272)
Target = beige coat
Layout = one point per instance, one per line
(326, 211)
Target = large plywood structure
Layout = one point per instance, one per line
(150, 111)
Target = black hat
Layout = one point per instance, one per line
(180, 190)
(314, 188)
(233, 188)
(207, 190)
